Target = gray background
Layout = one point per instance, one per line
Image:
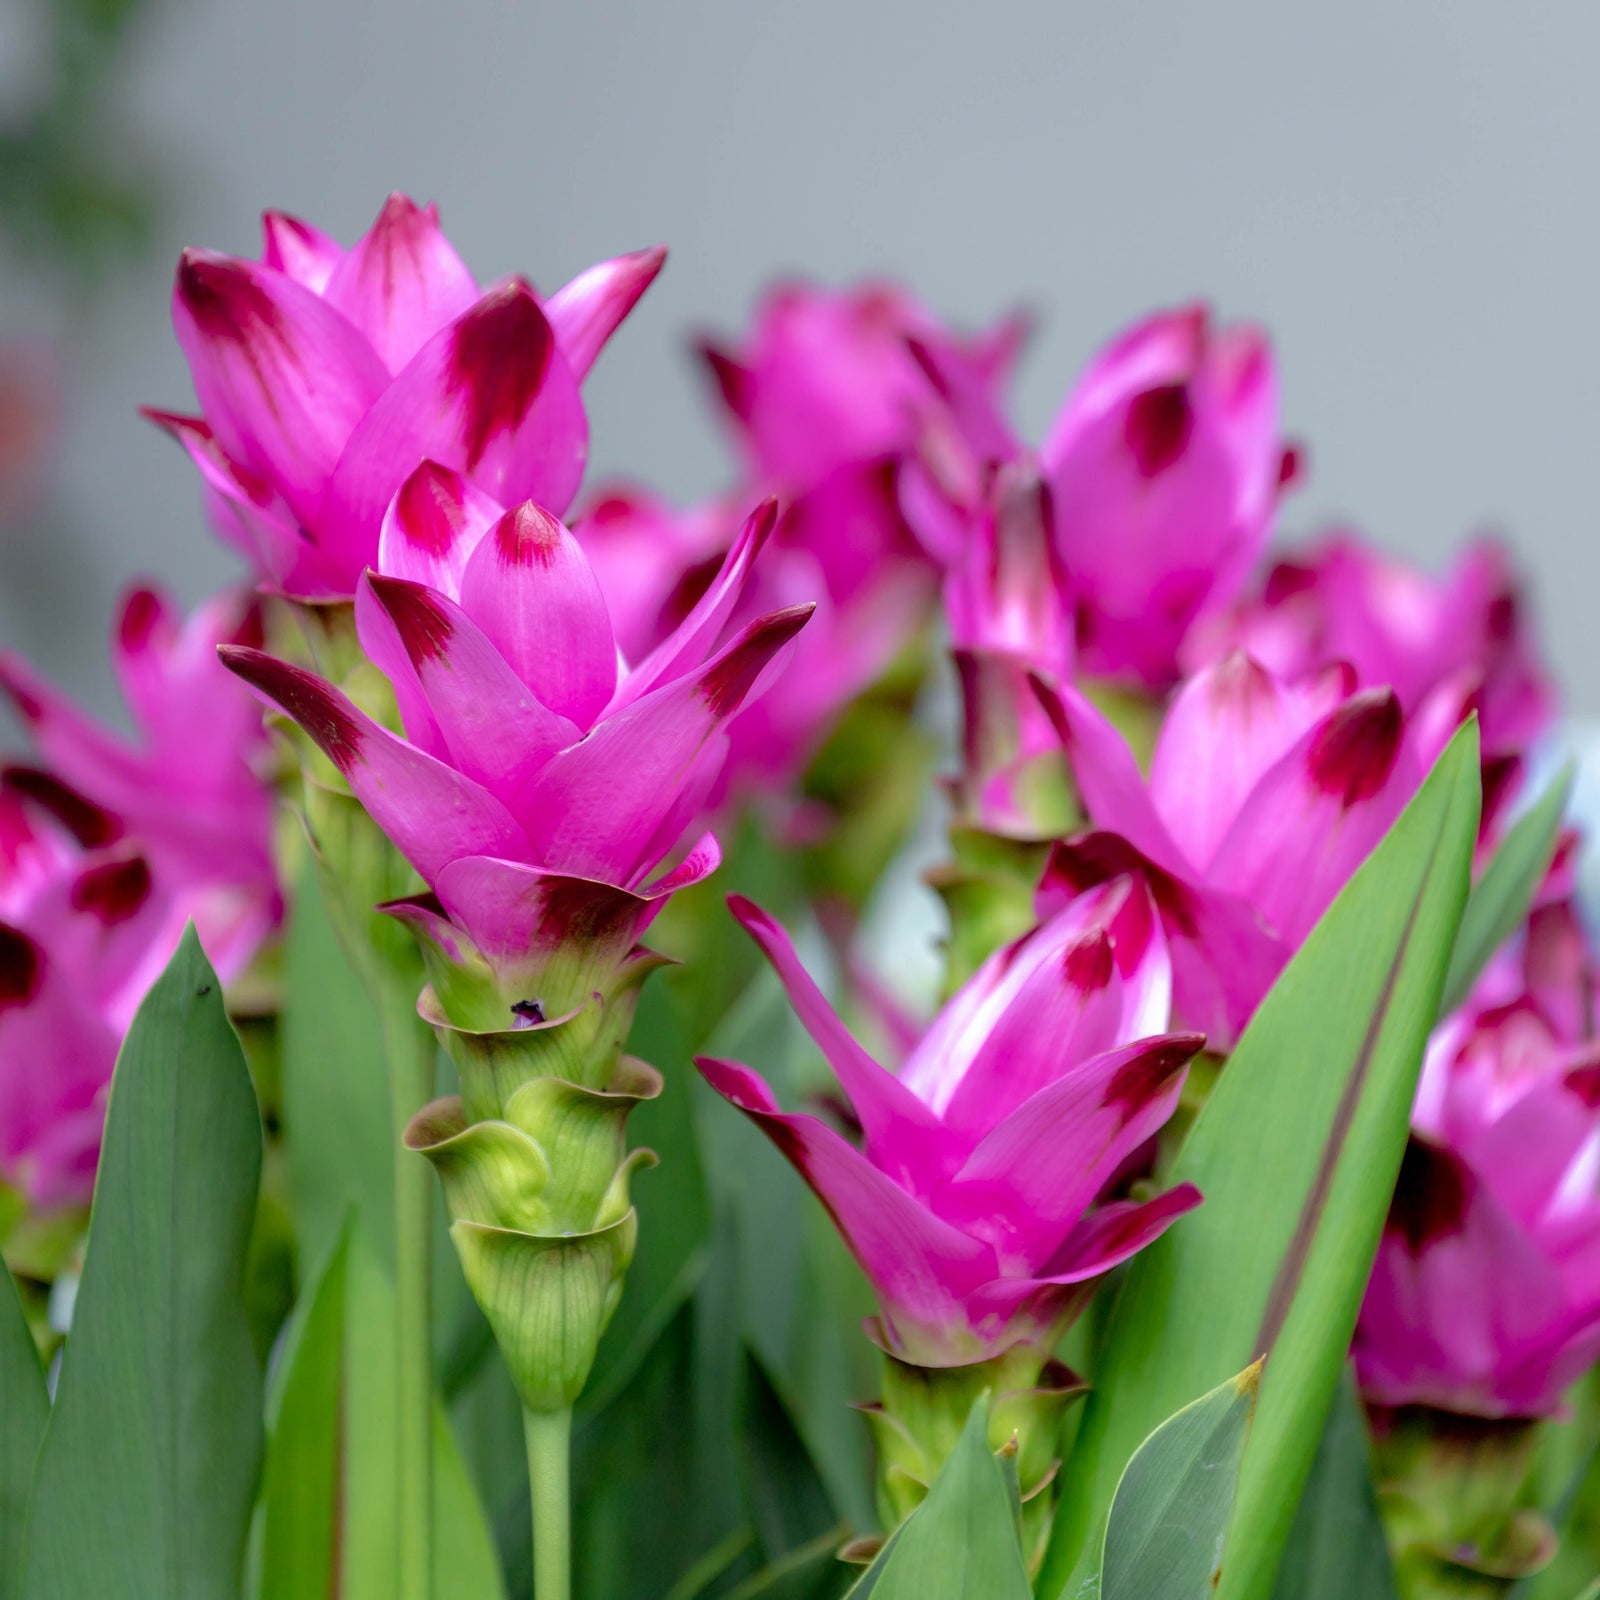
(1403, 192)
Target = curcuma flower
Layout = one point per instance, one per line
(1427, 638)
(539, 789)
(829, 398)
(79, 923)
(1264, 796)
(972, 1202)
(187, 788)
(105, 858)
(324, 375)
(1165, 464)
(978, 1200)
(1485, 1296)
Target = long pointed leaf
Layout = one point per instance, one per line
(329, 1493)
(1170, 1513)
(1337, 1549)
(1501, 897)
(1296, 1154)
(24, 1410)
(962, 1542)
(149, 1462)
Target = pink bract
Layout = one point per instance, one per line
(1166, 465)
(1264, 796)
(976, 1202)
(527, 743)
(1485, 1297)
(324, 375)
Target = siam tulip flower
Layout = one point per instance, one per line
(1264, 796)
(86, 925)
(1485, 1297)
(830, 378)
(531, 758)
(972, 1204)
(979, 1200)
(539, 789)
(1345, 600)
(830, 398)
(324, 375)
(1165, 464)
(187, 789)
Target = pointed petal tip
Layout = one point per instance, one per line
(320, 709)
(424, 627)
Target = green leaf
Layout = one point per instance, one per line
(1170, 1513)
(24, 1410)
(1296, 1153)
(813, 1571)
(336, 1119)
(1337, 1549)
(1501, 897)
(962, 1542)
(148, 1465)
(329, 1493)
(789, 1505)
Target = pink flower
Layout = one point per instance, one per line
(975, 1203)
(1264, 795)
(1425, 637)
(187, 788)
(831, 397)
(1166, 465)
(829, 378)
(324, 375)
(532, 758)
(85, 928)
(1485, 1297)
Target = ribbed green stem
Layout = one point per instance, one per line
(410, 1046)
(549, 1437)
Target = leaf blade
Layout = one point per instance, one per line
(963, 1540)
(1501, 897)
(1296, 1152)
(23, 1415)
(148, 1465)
(1170, 1513)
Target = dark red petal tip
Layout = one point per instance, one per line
(224, 297)
(319, 708)
(1355, 750)
(21, 967)
(90, 824)
(1088, 962)
(1141, 1078)
(142, 614)
(113, 891)
(1431, 1196)
(424, 628)
(528, 536)
(735, 382)
(725, 685)
(1158, 426)
(499, 353)
(431, 507)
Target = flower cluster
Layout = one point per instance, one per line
(513, 730)
(831, 400)
(106, 853)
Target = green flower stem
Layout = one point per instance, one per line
(549, 1437)
(410, 1046)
